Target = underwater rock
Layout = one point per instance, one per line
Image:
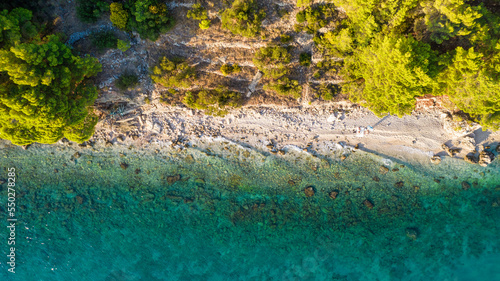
(465, 185)
(383, 170)
(291, 182)
(270, 146)
(124, 166)
(281, 152)
(76, 155)
(412, 233)
(137, 171)
(173, 179)
(376, 179)
(498, 148)
(368, 204)
(485, 158)
(309, 191)
(334, 194)
(79, 199)
(395, 170)
(343, 157)
(2, 181)
(399, 184)
(436, 159)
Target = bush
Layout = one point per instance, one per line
(89, 11)
(272, 60)
(313, 18)
(328, 92)
(119, 16)
(44, 93)
(127, 80)
(197, 12)
(305, 59)
(122, 45)
(301, 3)
(284, 38)
(243, 18)
(175, 73)
(227, 69)
(149, 18)
(104, 40)
(213, 102)
(285, 87)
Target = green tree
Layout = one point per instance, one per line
(175, 73)
(243, 18)
(43, 92)
(472, 83)
(150, 18)
(197, 12)
(119, 16)
(387, 75)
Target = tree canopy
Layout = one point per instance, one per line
(44, 95)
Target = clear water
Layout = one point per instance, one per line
(241, 214)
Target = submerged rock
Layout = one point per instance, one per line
(436, 159)
(412, 233)
(334, 194)
(465, 185)
(124, 166)
(368, 204)
(173, 179)
(376, 179)
(399, 184)
(383, 170)
(470, 158)
(309, 191)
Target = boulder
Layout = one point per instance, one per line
(436, 159)
(334, 194)
(383, 170)
(485, 158)
(309, 191)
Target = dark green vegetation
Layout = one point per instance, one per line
(305, 59)
(197, 12)
(396, 51)
(175, 73)
(177, 76)
(227, 69)
(149, 18)
(243, 18)
(44, 95)
(313, 18)
(104, 40)
(90, 11)
(214, 102)
(127, 80)
(273, 61)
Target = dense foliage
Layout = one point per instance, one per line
(273, 61)
(312, 18)
(197, 12)
(43, 93)
(228, 69)
(395, 51)
(127, 80)
(175, 73)
(90, 11)
(214, 102)
(243, 18)
(149, 18)
(104, 40)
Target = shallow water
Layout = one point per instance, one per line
(225, 212)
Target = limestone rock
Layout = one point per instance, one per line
(334, 194)
(485, 158)
(309, 191)
(436, 159)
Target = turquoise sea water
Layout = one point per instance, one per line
(232, 213)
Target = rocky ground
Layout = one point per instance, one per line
(266, 121)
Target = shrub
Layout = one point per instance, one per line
(227, 69)
(243, 18)
(90, 11)
(103, 40)
(149, 18)
(119, 16)
(285, 87)
(127, 80)
(305, 59)
(213, 102)
(197, 12)
(313, 18)
(122, 45)
(272, 60)
(328, 92)
(284, 38)
(301, 3)
(175, 73)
